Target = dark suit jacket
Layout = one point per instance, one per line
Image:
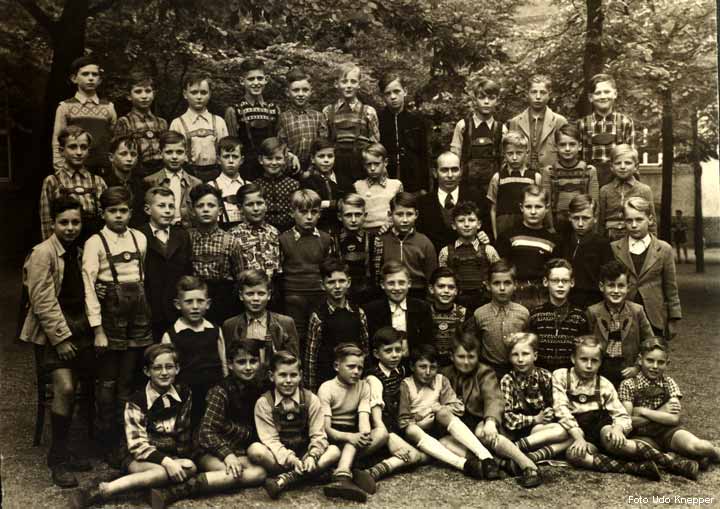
(656, 280)
(280, 328)
(163, 269)
(418, 319)
(431, 222)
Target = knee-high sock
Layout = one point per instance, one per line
(466, 437)
(434, 448)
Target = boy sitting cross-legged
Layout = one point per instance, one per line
(384, 380)
(477, 386)
(291, 428)
(334, 321)
(226, 431)
(529, 417)
(653, 400)
(588, 407)
(429, 407)
(346, 405)
(157, 427)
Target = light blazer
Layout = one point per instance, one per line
(634, 323)
(158, 179)
(43, 275)
(656, 280)
(546, 150)
(280, 328)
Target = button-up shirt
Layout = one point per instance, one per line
(146, 129)
(638, 247)
(442, 196)
(229, 187)
(612, 200)
(216, 255)
(526, 395)
(493, 323)
(398, 312)
(299, 129)
(645, 392)
(600, 124)
(355, 106)
(203, 131)
(260, 246)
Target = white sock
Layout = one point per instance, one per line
(434, 448)
(466, 437)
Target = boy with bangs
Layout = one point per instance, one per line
(320, 177)
(588, 408)
(352, 126)
(653, 400)
(125, 171)
(260, 240)
(448, 317)
(429, 407)
(507, 185)
(302, 248)
(216, 255)
(201, 129)
(604, 128)
(468, 257)
(168, 258)
(229, 181)
(539, 123)
(114, 260)
(173, 147)
(158, 435)
(346, 404)
(88, 112)
(620, 324)
(477, 386)
(226, 431)
(71, 178)
(557, 323)
(253, 119)
(585, 249)
(334, 321)
(477, 138)
(528, 392)
(58, 328)
(300, 126)
(290, 424)
(141, 124)
(272, 332)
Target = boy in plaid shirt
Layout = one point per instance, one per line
(157, 428)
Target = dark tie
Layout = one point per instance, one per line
(449, 203)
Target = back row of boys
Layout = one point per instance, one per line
(245, 432)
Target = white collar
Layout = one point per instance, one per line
(639, 246)
(490, 122)
(154, 229)
(295, 397)
(179, 174)
(194, 116)
(180, 325)
(112, 236)
(442, 195)
(394, 305)
(84, 98)
(225, 179)
(151, 394)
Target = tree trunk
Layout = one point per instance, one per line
(594, 57)
(667, 166)
(697, 170)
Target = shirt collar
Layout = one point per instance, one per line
(255, 101)
(442, 195)
(576, 381)
(332, 308)
(154, 229)
(490, 122)
(352, 103)
(227, 180)
(497, 308)
(57, 245)
(431, 385)
(295, 397)
(71, 172)
(181, 325)
(475, 243)
(262, 320)
(631, 181)
(152, 395)
(649, 381)
(639, 246)
(112, 236)
(380, 181)
(84, 98)
(387, 372)
(297, 233)
(394, 305)
(143, 116)
(195, 116)
(540, 116)
(180, 174)
(600, 117)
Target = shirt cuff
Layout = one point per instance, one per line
(95, 320)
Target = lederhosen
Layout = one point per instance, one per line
(144, 138)
(351, 134)
(608, 140)
(101, 131)
(576, 181)
(592, 421)
(208, 172)
(125, 311)
(92, 223)
(293, 427)
(253, 134)
(231, 199)
(481, 155)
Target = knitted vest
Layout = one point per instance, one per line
(301, 261)
(566, 183)
(510, 191)
(200, 362)
(348, 127)
(167, 443)
(342, 326)
(95, 119)
(256, 122)
(241, 402)
(471, 267)
(293, 427)
(445, 323)
(390, 393)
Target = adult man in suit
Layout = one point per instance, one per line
(435, 209)
(168, 257)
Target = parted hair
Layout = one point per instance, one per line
(113, 196)
(283, 358)
(516, 338)
(154, 351)
(73, 131)
(188, 284)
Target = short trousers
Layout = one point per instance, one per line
(662, 434)
(592, 423)
(83, 364)
(126, 317)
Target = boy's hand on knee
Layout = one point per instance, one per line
(233, 466)
(579, 447)
(489, 432)
(296, 464)
(66, 350)
(615, 437)
(359, 440)
(309, 464)
(174, 469)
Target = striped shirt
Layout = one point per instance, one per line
(528, 249)
(216, 255)
(565, 408)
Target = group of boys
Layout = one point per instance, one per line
(402, 288)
